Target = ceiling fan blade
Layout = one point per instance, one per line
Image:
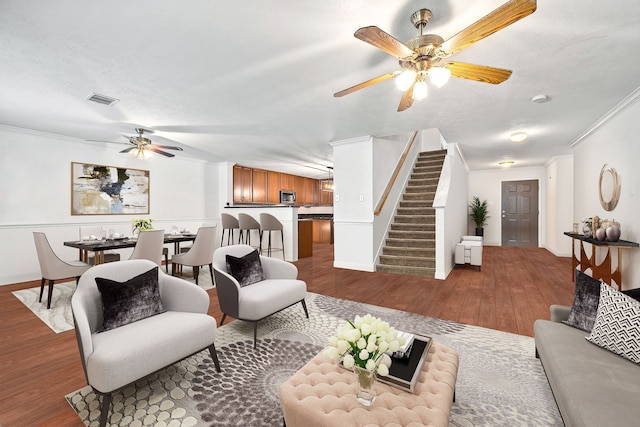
(366, 84)
(500, 18)
(479, 73)
(407, 99)
(126, 150)
(155, 150)
(378, 38)
(166, 147)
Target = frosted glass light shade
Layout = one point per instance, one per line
(405, 79)
(420, 90)
(439, 76)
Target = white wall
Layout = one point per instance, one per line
(559, 203)
(36, 195)
(615, 143)
(353, 203)
(451, 210)
(487, 185)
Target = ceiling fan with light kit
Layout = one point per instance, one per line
(425, 55)
(143, 147)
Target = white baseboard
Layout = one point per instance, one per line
(353, 266)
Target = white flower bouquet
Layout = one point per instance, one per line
(142, 224)
(363, 343)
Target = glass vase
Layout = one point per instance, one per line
(366, 392)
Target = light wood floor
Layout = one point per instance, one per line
(515, 287)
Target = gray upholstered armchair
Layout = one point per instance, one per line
(278, 290)
(119, 356)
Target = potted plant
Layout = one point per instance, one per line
(479, 214)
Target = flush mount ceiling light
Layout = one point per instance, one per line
(540, 99)
(506, 163)
(519, 137)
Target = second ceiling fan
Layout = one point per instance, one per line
(424, 55)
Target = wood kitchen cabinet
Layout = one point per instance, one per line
(262, 186)
(273, 187)
(326, 197)
(259, 187)
(287, 182)
(242, 184)
(321, 231)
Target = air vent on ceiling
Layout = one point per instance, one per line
(101, 99)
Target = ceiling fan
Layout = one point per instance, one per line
(424, 55)
(143, 147)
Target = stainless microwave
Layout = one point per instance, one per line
(288, 197)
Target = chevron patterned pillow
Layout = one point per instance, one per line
(617, 325)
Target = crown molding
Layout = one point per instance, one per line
(628, 101)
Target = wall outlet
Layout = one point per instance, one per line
(362, 197)
(337, 198)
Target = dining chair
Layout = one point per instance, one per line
(247, 223)
(230, 223)
(201, 253)
(52, 267)
(150, 245)
(98, 231)
(270, 223)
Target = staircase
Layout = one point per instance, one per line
(411, 246)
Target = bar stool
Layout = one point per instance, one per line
(247, 223)
(230, 223)
(270, 223)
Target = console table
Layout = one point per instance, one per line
(602, 271)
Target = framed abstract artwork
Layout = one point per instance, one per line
(108, 190)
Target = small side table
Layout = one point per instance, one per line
(323, 394)
(602, 271)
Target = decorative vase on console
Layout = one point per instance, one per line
(587, 229)
(601, 233)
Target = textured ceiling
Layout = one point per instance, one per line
(253, 82)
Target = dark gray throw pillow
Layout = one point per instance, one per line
(247, 270)
(126, 302)
(585, 302)
(633, 293)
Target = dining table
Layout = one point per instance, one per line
(100, 245)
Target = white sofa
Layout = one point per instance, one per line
(469, 251)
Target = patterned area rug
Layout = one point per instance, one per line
(500, 382)
(59, 317)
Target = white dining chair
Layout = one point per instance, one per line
(200, 254)
(150, 245)
(52, 267)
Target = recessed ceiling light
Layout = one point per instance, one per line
(540, 99)
(506, 163)
(519, 137)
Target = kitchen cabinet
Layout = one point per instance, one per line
(242, 184)
(310, 191)
(259, 187)
(326, 197)
(322, 231)
(273, 187)
(287, 182)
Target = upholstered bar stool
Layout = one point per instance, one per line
(269, 223)
(248, 223)
(229, 223)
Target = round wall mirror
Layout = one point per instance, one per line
(608, 188)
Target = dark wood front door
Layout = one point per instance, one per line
(520, 213)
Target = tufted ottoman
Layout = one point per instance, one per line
(323, 394)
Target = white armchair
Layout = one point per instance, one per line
(469, 251)
(279, 289)
(114, 358)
